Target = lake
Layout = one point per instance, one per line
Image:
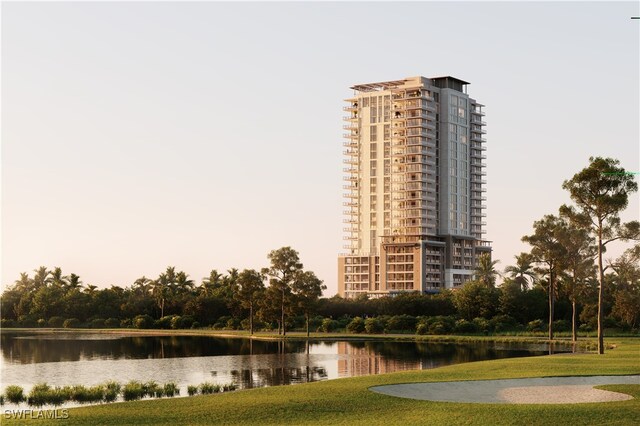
(92, 358)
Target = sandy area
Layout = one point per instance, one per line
(538, 390)
(559, 395)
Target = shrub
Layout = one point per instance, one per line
(151, 388)
(7, 323)
(79, 393)
(39, 395)
(373, 326)
(14, 394)
(402, 323)
(164, 322)
(182, 322)
(41, 322)
(585, 327)
(126, 323)
(112, 389)
(208, 388)
(464, 326)
(232, 324)
(229, 387)
(562, 325)
(56, 322)
(195, 325)
(112, 323)
(356, 325)
(502, 323)
(482, 324)
(133, 391)
(71, 323)
(536, 325)
(329, 325)
(343, 322)
(143, 321)
(97, 323)
(170, 389)
(95, 393)
(192, 390)
(27, 322)
(422, 329)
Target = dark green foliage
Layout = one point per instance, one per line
(71, 323)
(192, 390)
(464, 326)
(112, 323)
(374, 325)
(14, 394)
(536, 325)
(402, 323)
(56, 322)
(7, 323)
(171, 389)
(329, 325)
(209, 388)
(97, 323)
(143, 321)
(133, 390)
(356, 325)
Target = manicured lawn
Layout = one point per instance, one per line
(348, 401)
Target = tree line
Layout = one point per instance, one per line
(563, 279)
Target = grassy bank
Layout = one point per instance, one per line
(348, 401)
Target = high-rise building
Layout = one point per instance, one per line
(414, 175)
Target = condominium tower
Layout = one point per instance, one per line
(414, 181)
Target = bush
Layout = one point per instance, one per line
(232, 324)
(41, 322)
(195, 325)
(502, 323)
(143, 321)
(7, 323)
(562, 325)
(71, 323)
(402, 323)
(373, 326)
(182, 322)
(585, 327)
(126, 323)
(170, 389)
(356, 325)
(481, 324)
(221, 322)
(112, 323)
(536, 325)
(133, 391)
(208, 388)
(422, 329)
(39, 395)
(97, 323)
(437, 325)
(27, 322)
(112, 389)
(56, 322)
(192, 390)
(229, 387)
(14, 394)
(329, 325)
(464, 326)
(152, 388)
(164, 322)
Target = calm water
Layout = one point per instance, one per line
(92, 358)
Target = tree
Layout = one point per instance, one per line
(161, 290)
(249, 291)
(485, 270)
(627, 293)
(285, 265)
(307, 289)
(475, 299)
(577, 264)
(522, 271)
(211, 283)
(601, 191)
(547, 249)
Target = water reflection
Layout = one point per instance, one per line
(187, 360)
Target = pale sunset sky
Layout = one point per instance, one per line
(203, 135)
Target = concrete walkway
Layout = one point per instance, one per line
(545, 390)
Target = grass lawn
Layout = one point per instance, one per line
(348, 401)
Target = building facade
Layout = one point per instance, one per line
(414, 181)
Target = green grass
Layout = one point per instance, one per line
(348, 401)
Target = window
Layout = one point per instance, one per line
(373, 133)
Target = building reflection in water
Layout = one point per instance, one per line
(364, 360)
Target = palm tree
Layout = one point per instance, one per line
(522, 271)
(183, 283)
(91, 289)
(161, 289)
(142, 285)
(211, 283)
(73, 282)
(41, 277)
(486, 272)
(24, 283)
(57, 278)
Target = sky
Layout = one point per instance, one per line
(137, 136)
